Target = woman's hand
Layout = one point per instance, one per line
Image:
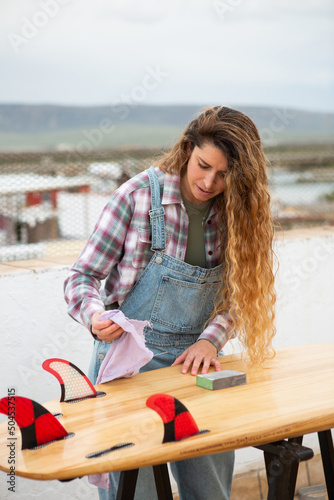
(105, 330)
(203, 351)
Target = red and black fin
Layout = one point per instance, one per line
(178, 422)
(73, 382)
(38, 426)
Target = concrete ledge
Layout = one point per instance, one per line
(53, 261)
(37, 264)
(305, 233)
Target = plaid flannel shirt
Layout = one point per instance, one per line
(119, 249)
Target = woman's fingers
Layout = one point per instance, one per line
(180, 358)
(105, 330)
(202, 353)
(98, 325)
(111, 333)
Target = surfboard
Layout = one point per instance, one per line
(123, 424)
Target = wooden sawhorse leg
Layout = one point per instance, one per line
(282, 459)
(127, 484)
(327, 455)
(128, 481)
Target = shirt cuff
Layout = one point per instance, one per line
(88, 310)
(218, 331)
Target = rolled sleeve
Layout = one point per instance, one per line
(83, 297)
(218, 331)
(100, 255)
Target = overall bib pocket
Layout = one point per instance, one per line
(182, 306)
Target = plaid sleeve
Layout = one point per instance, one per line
(218, 331)
(101, 253)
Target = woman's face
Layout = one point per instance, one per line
(205, 175)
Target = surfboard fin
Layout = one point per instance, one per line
(73, 382)
(178, 422)
(37, 425)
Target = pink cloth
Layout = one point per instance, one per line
(128, 353)
(125, 357)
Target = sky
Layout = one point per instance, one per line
(206, 52)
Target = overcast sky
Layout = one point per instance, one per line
(87, 52)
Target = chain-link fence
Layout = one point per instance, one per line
(49, 202)
(302, 186)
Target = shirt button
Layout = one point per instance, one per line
(210, 252)
(158, 260)
(208, 222)
(101, 356)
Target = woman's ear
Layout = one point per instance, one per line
(189, 149)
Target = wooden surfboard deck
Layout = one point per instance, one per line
(292, 395)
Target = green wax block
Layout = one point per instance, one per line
(221, 380)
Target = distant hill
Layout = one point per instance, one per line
(20, 118)
(53, 126)
(31, 119)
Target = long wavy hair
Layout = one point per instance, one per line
(246, 227)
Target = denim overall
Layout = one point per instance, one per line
(176, 298)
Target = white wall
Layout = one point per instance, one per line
(34, 326)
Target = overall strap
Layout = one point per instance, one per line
(156, 213)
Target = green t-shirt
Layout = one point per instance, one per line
(197, 214)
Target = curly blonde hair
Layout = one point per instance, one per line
(246, 227)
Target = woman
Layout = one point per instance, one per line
(188, 246)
